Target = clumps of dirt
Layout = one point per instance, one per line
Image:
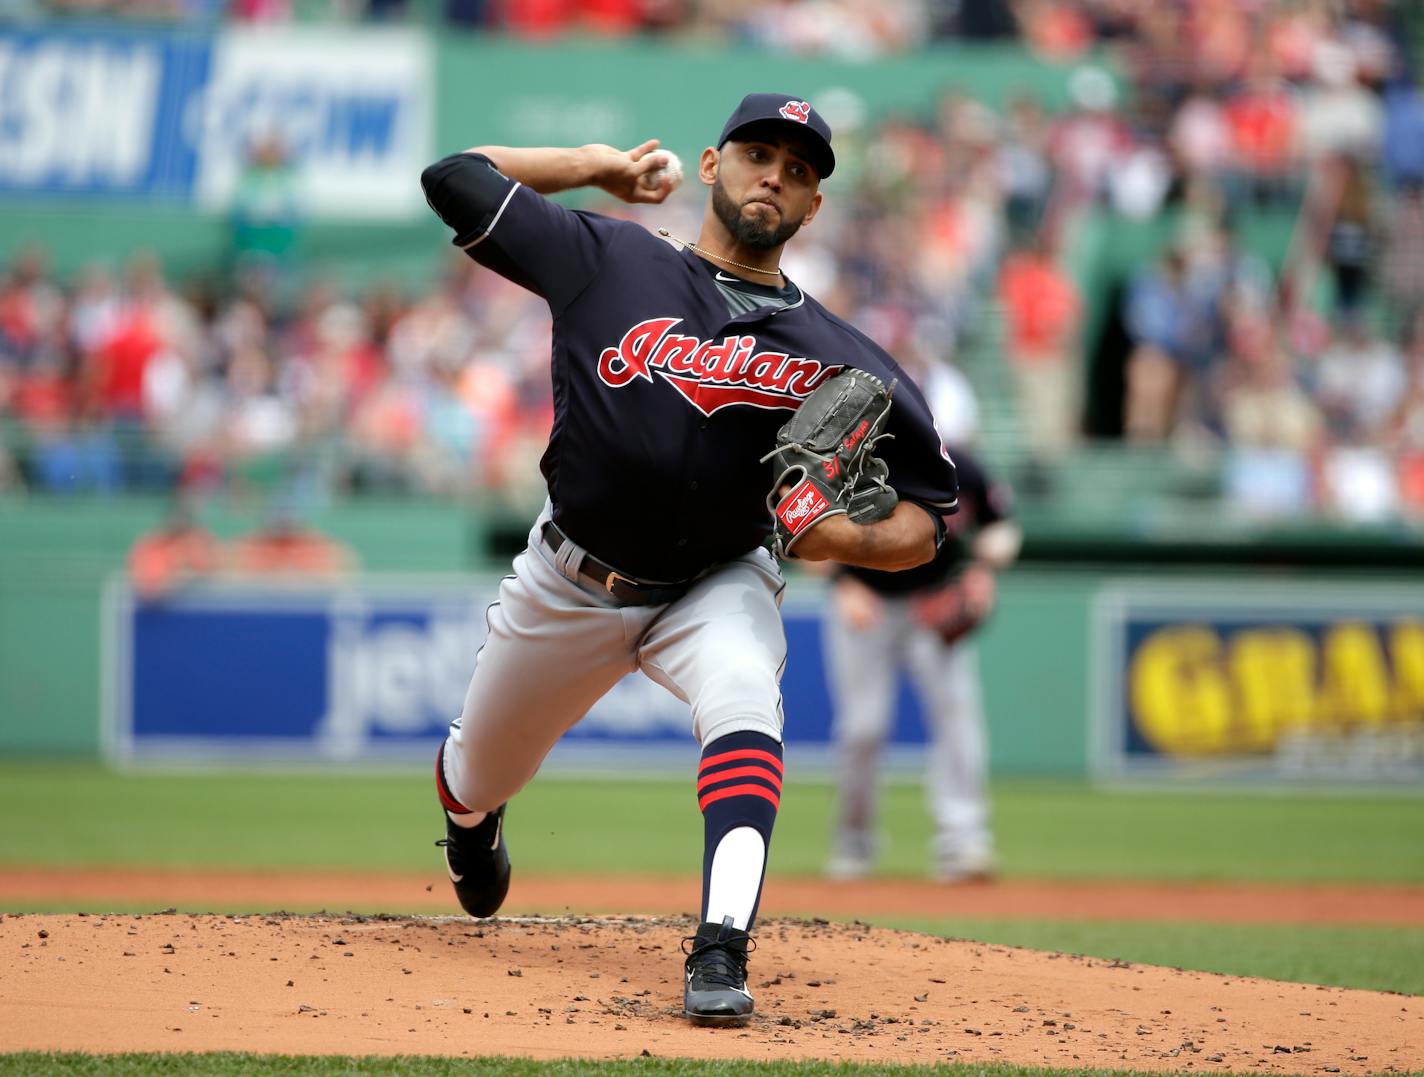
(610, 987)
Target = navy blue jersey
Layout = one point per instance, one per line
(982, 501)
(664, 403)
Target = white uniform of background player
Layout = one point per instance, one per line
(873, 633)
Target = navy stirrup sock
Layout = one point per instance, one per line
(738, 785)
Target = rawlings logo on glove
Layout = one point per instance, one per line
(823, 463)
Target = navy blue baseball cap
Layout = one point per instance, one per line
(783, 108)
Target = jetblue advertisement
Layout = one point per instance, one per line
(177, 116)
(374, 672)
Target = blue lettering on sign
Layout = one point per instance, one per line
(314, 121)
(361, 124)
(97, 113)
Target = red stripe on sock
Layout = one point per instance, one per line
(740, 772)
(740, 791)
(742, 753)
(447, 798)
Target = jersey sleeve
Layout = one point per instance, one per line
(519, 234)
(920, 467)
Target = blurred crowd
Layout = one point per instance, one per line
(1301, 371)
(850, 28)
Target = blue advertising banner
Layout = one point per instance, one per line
(373, 673)
(168, 115)
(1253, 683)
(99, 112)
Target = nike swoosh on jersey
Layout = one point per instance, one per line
(729, 280)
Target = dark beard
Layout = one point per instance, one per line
(750, 232)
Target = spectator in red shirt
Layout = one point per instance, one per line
(1041, 306)
(1262, 120)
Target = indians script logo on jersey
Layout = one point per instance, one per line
(711, 374)
(800, 111)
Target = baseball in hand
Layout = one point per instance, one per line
(669, 175)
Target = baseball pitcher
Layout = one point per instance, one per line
(678, 374)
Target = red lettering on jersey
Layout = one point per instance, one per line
(618, 366)
(737, 369)
(762, 367)
(676, 353)
(803, 375)
(716, 358)
(711, 374)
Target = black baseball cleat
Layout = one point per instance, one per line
(716, 991)
(477, 859)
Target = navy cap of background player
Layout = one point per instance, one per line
(781, 108)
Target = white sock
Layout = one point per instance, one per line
(736, 877)
(468, 819)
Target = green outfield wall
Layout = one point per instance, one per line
(56, 555)
(1037, 655)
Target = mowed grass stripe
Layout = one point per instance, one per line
(85, 815)
(1370, 958)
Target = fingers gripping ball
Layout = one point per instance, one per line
(668, 175)
(823, 465)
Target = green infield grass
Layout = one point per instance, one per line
(84, 815)
(1371, 958)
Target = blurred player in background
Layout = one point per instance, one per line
(920, 620)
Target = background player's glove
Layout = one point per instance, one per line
(822, 455)
(959, 607)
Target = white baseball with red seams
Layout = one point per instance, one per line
(667, 175)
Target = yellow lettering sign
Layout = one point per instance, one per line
(1178, 694)
(1354, 686)
(1195, 691)
(1273, 673)
(1406, 652)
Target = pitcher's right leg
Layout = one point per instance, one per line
(551, 652)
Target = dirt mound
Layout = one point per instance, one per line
(611, 988)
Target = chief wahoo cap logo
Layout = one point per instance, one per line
(800, 111)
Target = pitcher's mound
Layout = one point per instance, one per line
(612, 988)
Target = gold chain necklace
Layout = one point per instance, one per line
(693, 246)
